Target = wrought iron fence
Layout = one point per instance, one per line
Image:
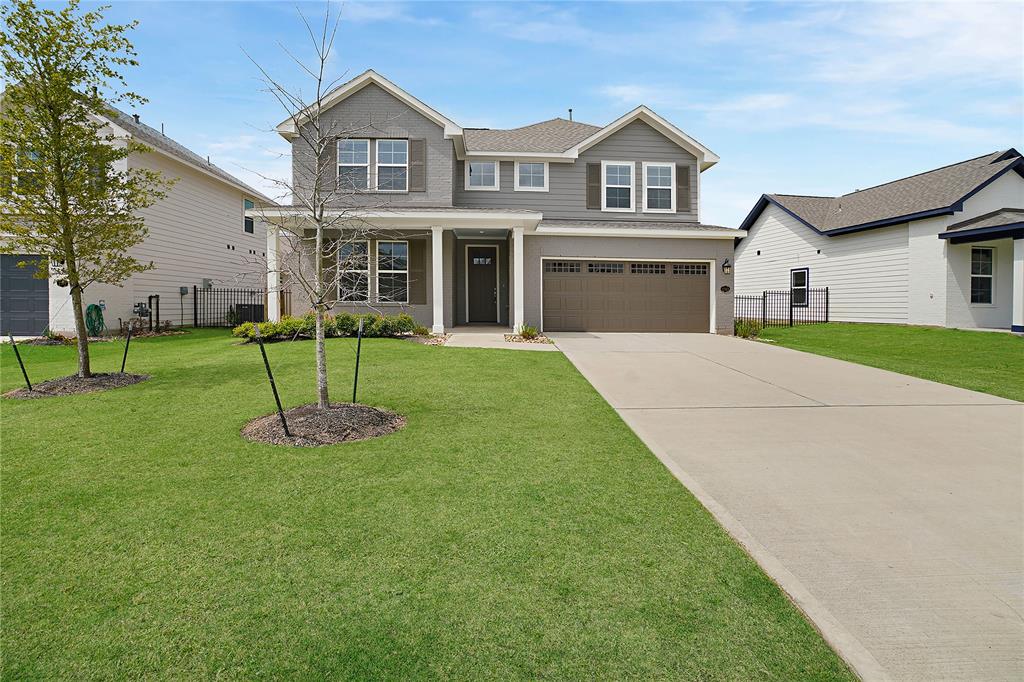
(780, 308)
(231, 307)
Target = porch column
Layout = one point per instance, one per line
(517, 278)
(273, 276)
(1017, 320)
(437, 278)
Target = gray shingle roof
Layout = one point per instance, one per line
(152, 137)
(933, 190)
(1005, 216)
(557, 223)
(555, 135)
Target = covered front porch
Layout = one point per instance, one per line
(444, 267)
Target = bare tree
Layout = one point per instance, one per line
(326, 231)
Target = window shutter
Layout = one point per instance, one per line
(330, 263)
(594, 185)
(417, 165)
(417, 271)
(329, 166)
(682, 188)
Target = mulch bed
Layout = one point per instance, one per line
(312, 427)
(74, 385)
(516, 338)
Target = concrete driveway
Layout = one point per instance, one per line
(889, 508)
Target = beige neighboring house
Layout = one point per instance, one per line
(561, 225)
(199, 236)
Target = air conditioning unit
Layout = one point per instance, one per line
(207, 283)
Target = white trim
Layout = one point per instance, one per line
(342, 301)
(515, 177)
(497, 280)
(287, 128)
(437, 277)
(970, 272)
(522, 156)
(632, 186)
(340, 165)
(639, 232)
(273, 276)
(672, 185)
(377, 271)
(712, 275)
(482, 188)
(398, 218)
(377, 165)
(518, 280)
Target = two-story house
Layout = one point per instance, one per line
(560, 225)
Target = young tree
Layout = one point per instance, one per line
(66, 192)
(326, 230)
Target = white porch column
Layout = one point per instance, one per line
(273, 275)
(1017, 319)
(517, 278)
(437, 278)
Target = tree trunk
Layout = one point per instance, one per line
(322, 400)
(82, 332)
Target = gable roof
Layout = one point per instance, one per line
(554, 135)
(286, 128)
(160, 143)
(935, 192)
(1006, 222)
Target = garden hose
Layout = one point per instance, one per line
(94, 320)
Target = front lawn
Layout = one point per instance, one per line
(515, 528)
(989, 362)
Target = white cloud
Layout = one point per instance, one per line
(370, 12)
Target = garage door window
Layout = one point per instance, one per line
(606, 268)
(690, 269)
(647, 268)
(561, 266)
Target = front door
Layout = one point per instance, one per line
(482, 283)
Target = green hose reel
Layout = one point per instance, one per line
(94, 320)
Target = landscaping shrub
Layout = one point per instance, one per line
(420, 330)
(528, 332)
(343, 324)
(748, 329)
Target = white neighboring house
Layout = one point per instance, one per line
(198, 234)
(942, 248)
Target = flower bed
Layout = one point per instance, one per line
(342, 324)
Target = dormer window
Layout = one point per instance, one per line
(392, 165)
(482, 175)
(354, 164)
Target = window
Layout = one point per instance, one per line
(561, 266)
(392, 165)
(482, 175)
(247, 221)
(647, 268)
(690, 269)
(354, 271)
(354, 164)
(659, 187)
(617, 193)
(606, 268)
(393, 272)
(531, 177)
(982, 263)
(798, 283)
(28, 175)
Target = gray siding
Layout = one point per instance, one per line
(374, 113)
(537, 247)
(566, 195)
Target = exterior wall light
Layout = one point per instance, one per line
(726, 267)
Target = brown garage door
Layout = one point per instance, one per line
(626, 296)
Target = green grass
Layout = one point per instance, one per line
(516, 528)
(989, 362)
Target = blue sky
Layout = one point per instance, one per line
(798, 98)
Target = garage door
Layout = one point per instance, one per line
(626, 296)
(24, 300)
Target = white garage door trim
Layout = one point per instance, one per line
(711, 272)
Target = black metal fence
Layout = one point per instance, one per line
(782, 309)
(229, 307)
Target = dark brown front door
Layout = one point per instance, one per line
(482, 283)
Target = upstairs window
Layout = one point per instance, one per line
(659, 188)
(617, 193)
(798, 283)
(982, 275)
(482, 175)
(247, 221)
(354, 164)
(393, 272)
(531, 177)
(392, 165)
(354, 271)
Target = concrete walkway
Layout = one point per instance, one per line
(490, 336)
(888, 507)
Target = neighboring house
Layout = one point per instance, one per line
(198, 235)
(943, 248)
(559, 224)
